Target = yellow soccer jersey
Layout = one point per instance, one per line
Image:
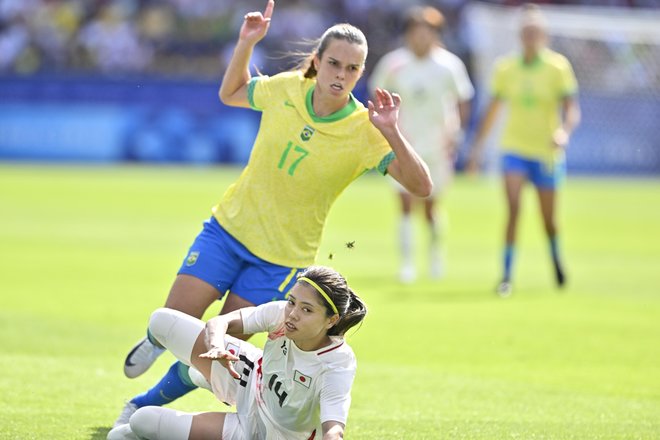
(299, 165)
(533, 93)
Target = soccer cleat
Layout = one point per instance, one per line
(122, 432)
(504, 289)
(126, 413)
(141, 357)
(407, 275)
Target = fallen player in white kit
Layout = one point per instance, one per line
(298, 387)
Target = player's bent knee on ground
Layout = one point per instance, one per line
(153, 422)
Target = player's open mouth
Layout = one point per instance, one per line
(290, 326)
(337, 87)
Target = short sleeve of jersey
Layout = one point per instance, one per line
(497, 80)
(336, 394)
(380, 154)
(568, 83)
(263, 90)
(264, 318)
(464, 88)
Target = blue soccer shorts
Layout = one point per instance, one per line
(542, 175)
(223, 262)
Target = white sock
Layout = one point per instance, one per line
(176, 331)
(406, 240)
(198, 379)
(158, 423)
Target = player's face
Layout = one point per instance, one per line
(421, 39)
(339, 68)
(533, 38)
(306, 322)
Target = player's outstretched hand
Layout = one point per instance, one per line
(384, 113)
(255, 24)
(224, 357)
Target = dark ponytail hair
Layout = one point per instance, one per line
(350, 307)
(343, 31)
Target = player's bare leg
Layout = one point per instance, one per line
(513, 184)
(189, 295)
(235, 302)
(407, 273)
(547, 201)
(434, 221)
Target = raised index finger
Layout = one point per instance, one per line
(269, 9)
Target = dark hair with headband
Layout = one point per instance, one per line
(343, 31)
(350, 308)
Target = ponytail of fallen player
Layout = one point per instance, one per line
(342, 31)
(334, 293)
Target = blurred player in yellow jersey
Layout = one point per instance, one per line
(315, 139)
(436, 91)
(540, 90)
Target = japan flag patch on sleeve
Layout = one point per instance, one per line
(233, 349)
(303, 380)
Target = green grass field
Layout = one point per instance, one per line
(87, 253)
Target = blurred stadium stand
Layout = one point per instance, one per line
(116, 80)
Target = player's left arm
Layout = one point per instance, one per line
(407, 168)
(571, 116)
(332, 430)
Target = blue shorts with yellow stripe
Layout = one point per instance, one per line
(223, 262)
(542, 175)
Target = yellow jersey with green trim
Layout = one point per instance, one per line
(298, 166)
(534, 93)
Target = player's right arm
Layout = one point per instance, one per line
(234, 87)
(214, 333)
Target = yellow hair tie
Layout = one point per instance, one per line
(321, 291)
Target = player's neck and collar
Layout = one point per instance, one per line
(343, 112)
(532, 60)
(329, 343)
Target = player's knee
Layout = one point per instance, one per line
(155, 422)
(144, 422)
(160, 324)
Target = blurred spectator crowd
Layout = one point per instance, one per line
(195, 37)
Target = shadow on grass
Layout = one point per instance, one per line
(99, 433)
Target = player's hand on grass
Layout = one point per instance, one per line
(224, 357)
(384, 112)
(255, 24)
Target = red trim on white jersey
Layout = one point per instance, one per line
(330, 349)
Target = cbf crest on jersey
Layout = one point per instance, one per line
(192, 258)
(307, 133)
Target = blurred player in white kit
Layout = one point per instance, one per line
(435, 91)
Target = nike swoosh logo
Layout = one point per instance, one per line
(289, 104)
(128, 362)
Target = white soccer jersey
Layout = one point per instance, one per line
(288, 393)
(430, 90)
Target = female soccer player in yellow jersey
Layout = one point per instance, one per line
(297, 388)
(540, 90)
(315, 138)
